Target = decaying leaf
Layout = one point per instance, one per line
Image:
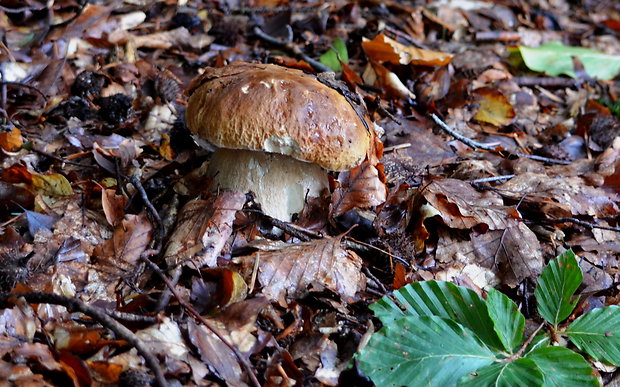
(461, 206)
(293, 269)
(561, 196)
(11, 141)
(236, 324)
(202, 230)
(384, 49)
(494, 107)
(362, 187)
(113, 206)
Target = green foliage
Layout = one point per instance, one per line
(554, 59)
(437, 333)
(332, 57)
(556, 287)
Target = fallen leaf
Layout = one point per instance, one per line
(292, 269)
(120, 254)
(113, 206)
(37, 222)
(202, 230)
(460, 206)
(362, 187)
(494, 107)
(11, 141)
(514, 253)
(561, 196)
(384, 49)
(554, 58)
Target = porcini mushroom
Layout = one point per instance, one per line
(276, 131)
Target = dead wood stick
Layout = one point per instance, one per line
(75, 305)
(289, 46)
(194, 313)
(584, 223)
(477, 145)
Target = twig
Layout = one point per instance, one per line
(160, 227)
(545, 81)
(490, 147)
(584, 223)
(375, 279)
(292, 48)
(491, 179)
(396, 147)
(524, 346)
(24, 86)
(281, 9)
(60, 159)
(467, 141)
(75, 305)
(190, 309)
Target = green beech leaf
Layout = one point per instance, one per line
(508, 322)
(331, 57)
(598, 334)
(422, 351)
(556, 287)
(521, 372)
(562, 367)
(443, 299)
(554, 59)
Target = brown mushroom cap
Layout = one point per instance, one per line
(273, 109)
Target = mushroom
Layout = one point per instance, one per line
(276, 132)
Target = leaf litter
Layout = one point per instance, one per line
(99, 179)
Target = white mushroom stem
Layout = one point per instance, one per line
(280, 183)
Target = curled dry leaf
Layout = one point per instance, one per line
(362, 187)
(236, 324)
(292, 269)
(461, 206)
(384, 49)
(513, 252)
(202, 230)
(113, 206)
(119, 255)
(495, 108)
(561, 196)
(11, 141)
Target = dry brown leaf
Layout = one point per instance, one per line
(561, 196)
(11, 141)
(514, 253)
(384, 49)
(236, 324)
(389, 82)
(362, 187)
(202, 230)
(130, 239)
(113, 206)
(461, 206)
(494, 107)
(293, 269)
(177, 37)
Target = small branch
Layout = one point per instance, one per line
(292, 48)
(491, 179)
(60, 159)
(190, 309)
(584, 223)
(467, 141)
(490, 147)
(24, 86)
(545, 81)
(525, 344)
(160, 227)
(75, 305)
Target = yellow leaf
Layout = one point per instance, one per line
(11, 141)
(494, 107)
(384, 49)
(53, 184)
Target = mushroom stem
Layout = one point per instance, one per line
(279, 183)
